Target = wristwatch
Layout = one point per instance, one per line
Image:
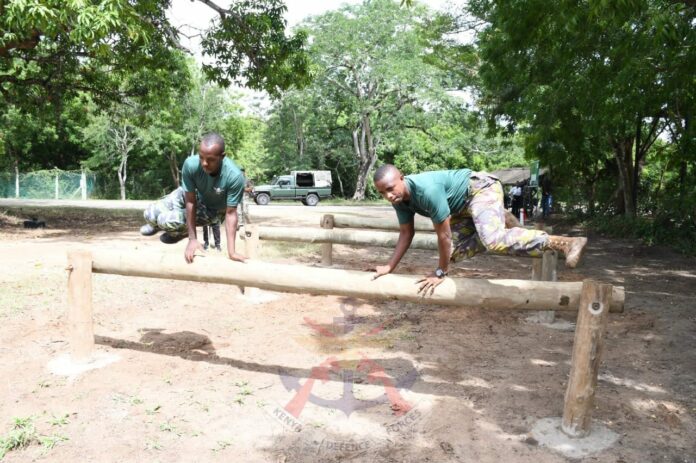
(440, 273)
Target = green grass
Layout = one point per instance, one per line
(24, 433)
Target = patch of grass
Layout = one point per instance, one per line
(61, 420)
(222, 444)
(22, 434)
(153, 445)
(48, 442)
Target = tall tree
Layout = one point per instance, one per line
(587, 78)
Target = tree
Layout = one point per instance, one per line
(369, 64)
(113, 135)
(51, 48)
(582, 79)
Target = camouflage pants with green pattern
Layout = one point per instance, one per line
(169, 214)
(480, 226)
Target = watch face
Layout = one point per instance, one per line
(439, 273)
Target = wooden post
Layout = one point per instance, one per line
(595, 299)
(327, 221)
(536, 269)
(80, 325)
(251, 249)
(549, 264)
(251, 241)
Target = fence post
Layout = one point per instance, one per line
(16, 180)
(327, 222)
(83, 185)
(595, 299)
(57, 188)
(80, 323)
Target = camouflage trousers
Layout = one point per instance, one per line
(480, 226)
(169, 214)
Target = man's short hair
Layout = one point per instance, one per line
(212, 139)
(383, 170)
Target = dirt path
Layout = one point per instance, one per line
(205, 375)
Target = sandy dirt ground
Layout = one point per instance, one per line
(204, 373)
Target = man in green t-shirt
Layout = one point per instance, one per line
(468, 216)
(211, 189)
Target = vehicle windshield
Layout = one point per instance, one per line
(275, 181)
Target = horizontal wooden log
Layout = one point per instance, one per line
(460, 292)
(421, 223)
(385, 223)
(351, 237)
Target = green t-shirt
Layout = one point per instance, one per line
(436, 195)
(218, 192)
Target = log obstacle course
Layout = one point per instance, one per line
(376, 234)
(592, 301)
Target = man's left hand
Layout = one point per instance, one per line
(428, 284)
(237, 257)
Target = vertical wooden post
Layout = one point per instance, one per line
(537, 265)
(549, 264)
(327, 221)
(80, 324)
(251, 241)
(536, 269)
(251, 249)
(595, 300)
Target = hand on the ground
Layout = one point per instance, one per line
(381, 270)
(428, 284)
(191, 248)
(237, 257)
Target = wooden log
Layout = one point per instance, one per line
(384, 223)
(460, 292)
(80, 326)
(595, 299)
(327, 222)
(421, 224)
(350, 237)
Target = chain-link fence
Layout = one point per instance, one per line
(48, 184)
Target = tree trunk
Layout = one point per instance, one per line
(122, 176)
(623, 152)
(174, 169)
(299, 135)
(364, 148)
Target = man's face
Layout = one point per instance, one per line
(211, 158)
(392, 187)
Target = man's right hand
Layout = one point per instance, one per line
(381, 270)
(191, 248)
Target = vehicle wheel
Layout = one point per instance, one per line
(262, 199)
(311, 200)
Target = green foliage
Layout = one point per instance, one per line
(590, 84)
